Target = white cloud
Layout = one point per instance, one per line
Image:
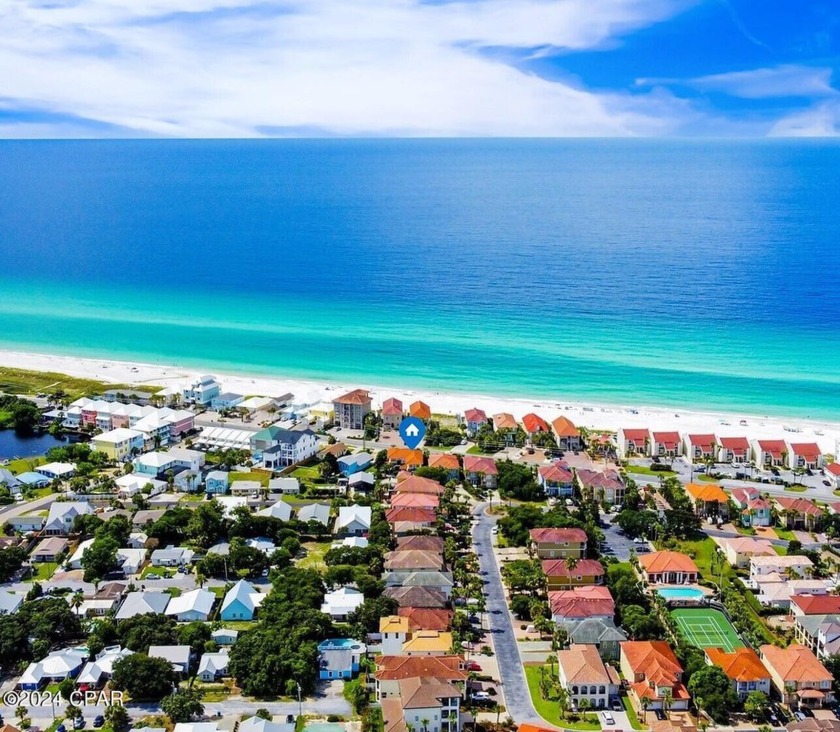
(779, 81)
(232, 67)
(822, 120)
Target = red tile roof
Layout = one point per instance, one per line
(534, 423)
(736, 444)
(743, 664)
(357, 396)
(480, 464)
(799, 505)
(556, 473)
(475, 415)
(423, 543)
(607, 479)
(564, 427)
(667, 561)
(669, 439)
(415, 484)
(444, 460)
(418, 500)
(558, 536)
(817, 604)
(410, 513)
(774, 447)
(427, 618)
(392, 407)
(656, 662)
(636, 435)
(504, 421)
(808, 450)
(582, 602)
(583, 568)
(394, 668)
(833, 468)
(405, 455)
(704, 442)
(421, 410)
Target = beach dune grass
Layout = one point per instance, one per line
(25, 382)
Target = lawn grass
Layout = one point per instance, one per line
(43, 571)
(315, 551)
(706, 478)
(549, 710)
(785, 534)
(161, 571)
(780, 550)
(23, 381)
(796, 488)
(633, 718)
(644, 470)
(261, 478)
(192, 498)
(306, 472)
(25, 465)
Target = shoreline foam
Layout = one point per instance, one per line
(590, 415)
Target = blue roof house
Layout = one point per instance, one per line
(350, 464)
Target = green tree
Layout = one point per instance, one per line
(116, 715)
(713, 686)
(144, 678)
(182, 705)
(99, 559)
(11, 560)
(141, 631)
(756, 705)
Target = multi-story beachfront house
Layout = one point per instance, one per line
(474, 419)
(480, 470)
(666, 444)
(668, 568)
(769, 453)
(201, 391)
(568, 436)
(633, 441)
(700, 448)
(804, 455)
(351, 409)
(744, 669)
(653, 673)
(392, 413)
(734, 450)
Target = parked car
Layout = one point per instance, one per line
(660, 715)
(616, 705)
(481, 696)
(473, 666)
(608, 718)
(98, 720)
(79, 723)
(799, 716)
(494, 530)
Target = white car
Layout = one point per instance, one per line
(639, 540)
(608, 718)
(494, 530)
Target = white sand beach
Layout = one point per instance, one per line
(826, 434)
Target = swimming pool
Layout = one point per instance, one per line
(681, 593)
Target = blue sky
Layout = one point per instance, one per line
(250, 68)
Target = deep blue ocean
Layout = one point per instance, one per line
(687, 273)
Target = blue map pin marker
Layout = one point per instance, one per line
(412, 431)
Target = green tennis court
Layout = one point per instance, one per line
(706, 628)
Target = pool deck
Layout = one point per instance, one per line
(705, 593)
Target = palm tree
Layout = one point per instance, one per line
(200, 579)
(645, 702)
(667, 701)
(76, 601)
(583, 705)
(21, 713)
(562, 700)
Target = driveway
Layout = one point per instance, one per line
(514, 686)
(618, 542)
(16, 509)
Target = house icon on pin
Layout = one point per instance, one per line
(412, 430)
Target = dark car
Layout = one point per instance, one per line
(79, 723)
(98, 720)
(659, 714)
(61, 728)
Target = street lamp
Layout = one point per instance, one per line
(300, 702)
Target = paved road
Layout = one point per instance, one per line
(328, 700)
(16, 509)
(517, 697)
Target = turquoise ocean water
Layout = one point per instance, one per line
(694, 274)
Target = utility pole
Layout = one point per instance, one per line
(300, 702)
